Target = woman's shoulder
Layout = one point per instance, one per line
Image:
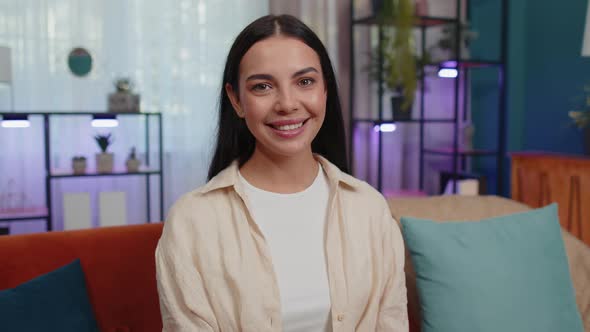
(196, 207)
(361, 194)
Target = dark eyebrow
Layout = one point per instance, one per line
(304, 71)
(268, 77)
(264, 77)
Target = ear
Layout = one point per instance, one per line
(234, 100)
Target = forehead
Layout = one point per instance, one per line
(279, 54)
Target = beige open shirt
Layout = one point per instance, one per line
(215, 273)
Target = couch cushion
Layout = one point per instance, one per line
(118, 263)
(506, 273)
(469, 208)
(56, 301)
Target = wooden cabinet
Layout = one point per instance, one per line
(539, 179)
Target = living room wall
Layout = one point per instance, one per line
(546, 72)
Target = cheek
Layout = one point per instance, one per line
(316, 103)
(254, 108)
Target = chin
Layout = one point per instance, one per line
(290, 150)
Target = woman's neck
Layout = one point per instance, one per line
(279, 174)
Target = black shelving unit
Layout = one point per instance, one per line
(464, 66)
(45, 213)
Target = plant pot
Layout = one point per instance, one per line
(79, 166)
(132, 165)
(123, 102)
(104, 162)
(397, 113)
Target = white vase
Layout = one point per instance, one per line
(104, 162)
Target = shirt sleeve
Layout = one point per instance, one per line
(183, 299)
(393, 311)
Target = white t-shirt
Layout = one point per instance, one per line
(293, 225)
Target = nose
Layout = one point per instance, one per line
(286, 101)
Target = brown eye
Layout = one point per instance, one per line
(306, 82)
(261, 87)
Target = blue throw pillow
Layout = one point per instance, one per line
(500, 274)
(56, 301)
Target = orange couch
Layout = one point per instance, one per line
(120, 267)
(118, 263)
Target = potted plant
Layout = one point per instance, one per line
(447, 43)
(79, 164)
(400, 109)
(104, 160)
(132, 162)
(123, 100)
(402, 67)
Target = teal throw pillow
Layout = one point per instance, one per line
(56, 301)
(504, 274)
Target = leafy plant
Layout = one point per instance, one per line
(123, 84)
(103, 141)
(580, 118)
(132, 155)
(394, 82)
(399, 50)
(449, 38)
(581, 115)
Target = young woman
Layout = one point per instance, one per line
(281, 238)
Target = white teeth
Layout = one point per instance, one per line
(290, 127)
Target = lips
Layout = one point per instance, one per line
(286, 122)
(288, 128)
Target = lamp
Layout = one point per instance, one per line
(586, 40)
(385, 128)
(104, 121)
(15, 120)
(448, 69)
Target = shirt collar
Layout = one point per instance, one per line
(229, 176)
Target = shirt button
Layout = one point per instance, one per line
(340, 317)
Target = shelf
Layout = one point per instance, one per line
(421, 21)
(15, 214)
(376, 121)
(68, 174)
(478, 63)
(467, 64)
(463, 153)
(150, 121)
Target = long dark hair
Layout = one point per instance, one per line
(234, 140)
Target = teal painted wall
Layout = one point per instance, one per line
(555, 74)
(485, 84)
(545, 74)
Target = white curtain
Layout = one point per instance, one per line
(173, 51)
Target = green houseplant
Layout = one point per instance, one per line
(104, 159)
(401, 67)
(447, 44)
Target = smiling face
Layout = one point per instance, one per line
(281, 95)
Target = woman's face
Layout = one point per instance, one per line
(281, 95)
